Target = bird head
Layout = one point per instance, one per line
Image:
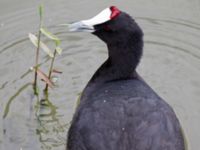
(111, 25)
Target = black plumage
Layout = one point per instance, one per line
(118, 110)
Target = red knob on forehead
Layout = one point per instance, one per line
(115, 12)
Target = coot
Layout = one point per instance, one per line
(118, 110)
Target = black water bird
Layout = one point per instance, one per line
(118, 110)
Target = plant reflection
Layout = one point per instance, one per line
(51, 131)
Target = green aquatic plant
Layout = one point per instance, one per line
(56, 50)
(37, 51)
(36, 40)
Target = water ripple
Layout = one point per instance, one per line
(174, 47)
(175, 22)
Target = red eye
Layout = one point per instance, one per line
(106, 28)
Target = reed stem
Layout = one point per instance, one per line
(50, 70)
(37, 59)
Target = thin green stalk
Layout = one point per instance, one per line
(37, 59)
(50, 70)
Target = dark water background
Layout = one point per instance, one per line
(171, 65)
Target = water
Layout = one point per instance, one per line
(171, 65)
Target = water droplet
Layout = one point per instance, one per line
(104, 101)
(123, 129)
(54, 79)
(31, 68)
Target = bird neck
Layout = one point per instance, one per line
(123, 58)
